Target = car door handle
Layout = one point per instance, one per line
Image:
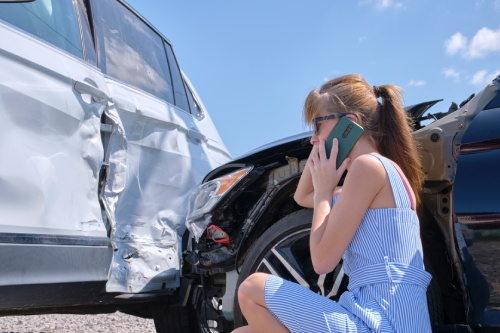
(194, 134)
(86, 88)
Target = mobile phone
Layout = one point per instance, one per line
(347, 133)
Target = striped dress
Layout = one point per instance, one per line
(387, 281)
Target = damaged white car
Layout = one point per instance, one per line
(102, 138)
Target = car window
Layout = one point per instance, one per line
(193, 104)
(88, 44)
(180, 93)
(51, 20)
(131, 51)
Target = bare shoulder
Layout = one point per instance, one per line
(365, 181)
(367, 163)
(367, 170)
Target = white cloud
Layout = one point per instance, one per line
(416, 83)
(485, 41)
(482, 77)
(480, 4)
(452, 73)
(383, 4)
(479, 77)
(455, 43)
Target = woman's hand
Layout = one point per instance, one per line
(325, 176)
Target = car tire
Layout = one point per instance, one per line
(178, 320)
(434, 298)
(289, 238)
(202, 314)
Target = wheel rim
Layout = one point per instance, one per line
(290, 259)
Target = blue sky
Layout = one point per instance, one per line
(254, 62)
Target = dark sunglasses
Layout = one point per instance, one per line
(318, 119)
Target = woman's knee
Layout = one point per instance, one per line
(252, 288)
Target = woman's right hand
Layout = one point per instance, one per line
(325, 176)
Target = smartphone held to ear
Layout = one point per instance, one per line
(347, 133)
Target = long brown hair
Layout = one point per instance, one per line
(386, 123)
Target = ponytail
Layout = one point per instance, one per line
(394, 135)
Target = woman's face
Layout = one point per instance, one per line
(324, 127)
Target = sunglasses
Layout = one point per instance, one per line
(318, 119)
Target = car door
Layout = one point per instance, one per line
(51, 102)
(169, 148)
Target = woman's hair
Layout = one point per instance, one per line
(385, 123)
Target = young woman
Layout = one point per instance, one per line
(370, 223)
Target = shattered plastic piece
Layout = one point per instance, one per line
(217, 234)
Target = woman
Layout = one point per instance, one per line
(370, 223)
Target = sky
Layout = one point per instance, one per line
(254, 62)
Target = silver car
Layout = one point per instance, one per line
(102, 138)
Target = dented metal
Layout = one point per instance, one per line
(163, 163)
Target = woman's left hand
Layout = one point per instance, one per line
(325, 175)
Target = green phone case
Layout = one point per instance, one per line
(347, 133)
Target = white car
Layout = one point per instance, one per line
(102, 138)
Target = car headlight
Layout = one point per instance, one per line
(203, 199)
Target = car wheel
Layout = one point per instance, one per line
(177, 320)
(434, 298)
(283, 250)
(209, 311)
(198, 316)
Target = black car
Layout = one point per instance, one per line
(243, 219)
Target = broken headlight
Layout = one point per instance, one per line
(206, 196)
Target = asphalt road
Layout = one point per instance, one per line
(105, 323)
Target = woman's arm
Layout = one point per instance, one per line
(305, 191)
(333, 229)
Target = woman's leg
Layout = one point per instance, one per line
(253, 306)
(243, 329)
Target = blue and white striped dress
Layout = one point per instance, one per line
(387, 279)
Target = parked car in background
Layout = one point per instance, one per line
(243, 219)
(102, 138)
